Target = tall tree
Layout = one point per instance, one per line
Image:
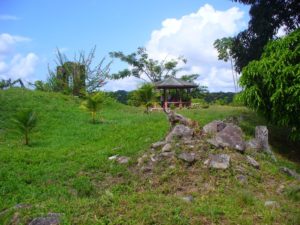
(198, 92)
(266, 18)
(272, 84)
(141, 65)
(224, 47)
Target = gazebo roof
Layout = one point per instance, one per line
(172, 82)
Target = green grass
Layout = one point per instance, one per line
(66, 169)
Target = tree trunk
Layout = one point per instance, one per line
(234, 80)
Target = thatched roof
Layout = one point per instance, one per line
(172, 82)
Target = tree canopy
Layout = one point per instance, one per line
(272, 84)
(266, 18)
(141, 64)
(224, 47)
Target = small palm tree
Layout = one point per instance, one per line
(25, 120)
(93, 104)
(146, 95)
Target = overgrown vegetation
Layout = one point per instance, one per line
(66, 170)
(272, 84)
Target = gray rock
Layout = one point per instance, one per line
(188, 198)
(119, 159)
(187, 157)
(231, 136)
(214, 127)
(167, 154)
(261, 141)
(167, 148)
(289, 172)
(262, 137)
(122, 159)
(213, 142)
(242, 179)
(271, 203)
(158, 144)
(142, 159)
(219, 161)
(146, 169)
(50, 219)
(253, 144)
(252, 162)
(181, 132)
(114, 157)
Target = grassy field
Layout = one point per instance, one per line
(66, 169)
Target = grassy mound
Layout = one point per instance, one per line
(66, 170)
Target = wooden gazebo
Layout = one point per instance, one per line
(172, 83)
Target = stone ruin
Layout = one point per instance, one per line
(185, 140)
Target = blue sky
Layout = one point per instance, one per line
(31, 30)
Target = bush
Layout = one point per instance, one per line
(272, 84)
(25, 121)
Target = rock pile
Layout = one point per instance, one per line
(186, 142)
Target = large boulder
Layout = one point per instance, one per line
(231, 136)
(180, 132)
(214, 127)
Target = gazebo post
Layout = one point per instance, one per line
(165, 104)
(180, 101)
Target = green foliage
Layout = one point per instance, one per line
(225, 97)
(237, 100)
(198, 92)
(293, 193)
(68, 171)
(145, 96)
(120, 95)
(83, 186)
(266, 17)
(25, 121)
(93, 103)
(141, 64)
(272, 84)
(41, 86)
(224, 47)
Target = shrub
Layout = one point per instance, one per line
(272, 84)
(93, 104)
(25, 121)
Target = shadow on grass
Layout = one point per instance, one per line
(278, 136)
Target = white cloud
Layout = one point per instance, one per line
(8, 17)
(15, 65)
(19, 67)
(192, 36)
(128, 84)
(8, 42)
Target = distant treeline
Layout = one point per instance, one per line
(213, 97)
